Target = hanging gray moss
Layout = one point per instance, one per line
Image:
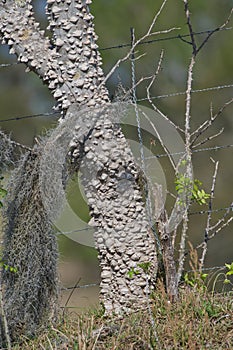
(30, 247)
(6, 151)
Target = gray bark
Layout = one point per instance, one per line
(71, 68)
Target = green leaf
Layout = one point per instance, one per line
(226, 281)
(145, 266)
(131, 273)
(204, 276)
(229, 266)
(188, 280)
(3, 192)
(229, 273)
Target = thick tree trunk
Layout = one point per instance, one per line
(123, 238)
(71, 69)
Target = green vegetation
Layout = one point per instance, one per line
(184, 185)
(198, 320)
(7, 267)
(143, 266)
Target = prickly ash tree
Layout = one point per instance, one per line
(70, 65)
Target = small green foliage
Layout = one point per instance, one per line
(230, 269)
(144, 266)
(195, 279)
(207, 308)
(228, 273)
(185, 185)
(7, 267)
(182, 183)
(183, 162)
(132, 272)
(198, 194)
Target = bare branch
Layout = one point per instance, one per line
(156, 73)
(196, 49)
(148, 34)
(204, 126)
(188, 108)
(208, 138)
(160, 139)
(149, 98)
(188, 155)
(207, 229)
(218, 223)
(214, 31)
(191, 32)
(182, 254)
(155, 19)
(127, 56)
(222, 227)
(141, 80)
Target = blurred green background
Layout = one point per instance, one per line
(23, 94)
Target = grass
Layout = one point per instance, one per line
(198, 320)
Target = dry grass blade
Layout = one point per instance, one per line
(196, 312)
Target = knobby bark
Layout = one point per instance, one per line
(70, 65)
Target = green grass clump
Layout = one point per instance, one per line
(198, 320)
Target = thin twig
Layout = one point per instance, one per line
(222, 227)
(214, 31)
(149, 98)
(201, 212)
(209, 217)
(138, 42)
(220, 221)
(191, 33)
(204, 126)
(182, 253)
(209, 138)
(158, 111)
(159, 138)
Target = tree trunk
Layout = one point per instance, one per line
(71, 67)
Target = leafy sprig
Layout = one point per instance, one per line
(184, 185)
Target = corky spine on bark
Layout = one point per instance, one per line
(71, 67)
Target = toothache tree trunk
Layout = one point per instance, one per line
(70, 65)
